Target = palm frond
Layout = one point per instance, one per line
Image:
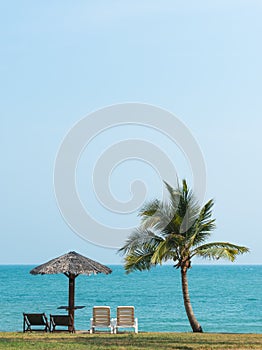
(151, 215)
(149, 208)
(188, 208)
(139, 260)
(174, 195)
(159, 218)
(140, 238)
(219, 250)
(166, 250)
(188, 220)
(183, 208)
(204, 225)
(166, 223)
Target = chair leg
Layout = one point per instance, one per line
(136, 326)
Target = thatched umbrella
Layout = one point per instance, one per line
(71, 264)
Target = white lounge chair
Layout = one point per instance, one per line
(101, 319)
(126, 318)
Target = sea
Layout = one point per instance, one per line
(225, 298)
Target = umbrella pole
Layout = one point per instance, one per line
(71, 300)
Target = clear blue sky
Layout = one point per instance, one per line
(61, 60)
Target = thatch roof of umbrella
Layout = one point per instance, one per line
(71, 264)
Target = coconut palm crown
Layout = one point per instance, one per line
(176, 230)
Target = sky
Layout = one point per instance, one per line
(61, 61)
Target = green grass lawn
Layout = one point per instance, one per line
(185, 341)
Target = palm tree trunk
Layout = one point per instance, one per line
(189, 311)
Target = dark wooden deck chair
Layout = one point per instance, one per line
(32, 320)
(62, 320)
(101, 319)
(126, 318)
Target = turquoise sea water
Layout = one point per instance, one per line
(224, 298)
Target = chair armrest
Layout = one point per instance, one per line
(52, 321)
(26, 320)
(136, 325)
(46, 320)
(25, 323)
(91, 330)
(113, 322)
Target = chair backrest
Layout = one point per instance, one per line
(61, 320)
(36, 319)
(101, 316)
(125, 315)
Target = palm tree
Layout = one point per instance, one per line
(176, 230)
